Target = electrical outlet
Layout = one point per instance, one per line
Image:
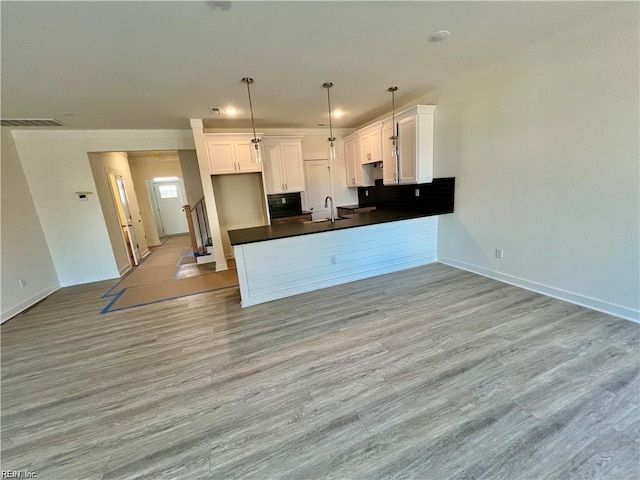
(417, 192)
(284, 200)
(366, 193)
(499, 253)
(22, 283)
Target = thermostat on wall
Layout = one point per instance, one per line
(83, 196)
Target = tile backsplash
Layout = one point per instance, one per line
(284, 205)
(433, 198)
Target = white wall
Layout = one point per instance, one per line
(239, 203)
(56, 165)
(191, 176)
(145, 168)
(112, 219)
(24, 252)
(545, 151)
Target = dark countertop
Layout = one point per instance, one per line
(349, 206)
(285, 230)
(290, 214)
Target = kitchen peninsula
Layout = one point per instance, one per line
(278, 261)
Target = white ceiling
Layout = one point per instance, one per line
(154, 65)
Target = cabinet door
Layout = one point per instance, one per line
(389, 163)
(353, 165)
(375, 145)
(365, 150)
(246, 158)
(293, 175)
(221, 157)
(407, 150)
(272, 171)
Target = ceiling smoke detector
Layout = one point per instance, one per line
(438, 36)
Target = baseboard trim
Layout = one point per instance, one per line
(575, 298)
(22, 306)
(83, 281)
(124, 270)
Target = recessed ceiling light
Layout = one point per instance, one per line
(337, 113)
(231, 111)
(438, 36)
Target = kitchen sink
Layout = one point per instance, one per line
(328, 220)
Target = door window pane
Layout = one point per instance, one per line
(168, 191)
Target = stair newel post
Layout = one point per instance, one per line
(192, 234)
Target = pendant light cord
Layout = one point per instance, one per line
(393, 103)
(328, 86)
(249, 81)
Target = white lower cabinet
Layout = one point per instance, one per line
(283, 167)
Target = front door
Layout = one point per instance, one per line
(318, 187)
(170, 202)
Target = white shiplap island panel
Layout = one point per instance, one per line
(283, 267)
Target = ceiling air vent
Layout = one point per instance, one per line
(30, 122)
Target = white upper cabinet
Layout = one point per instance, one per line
(356, 174)
(371, 143)
(231, 153)
(389, 164)
(415, 147)
(283, 168)
(352, 161)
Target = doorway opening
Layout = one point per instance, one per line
(319, 186)
(167, 197)
(143, 196)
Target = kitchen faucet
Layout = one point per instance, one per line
(326, 204)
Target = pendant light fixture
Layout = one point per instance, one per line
(393, 139)
(331, 141)
(255, 141)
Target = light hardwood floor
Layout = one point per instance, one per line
(431, 373)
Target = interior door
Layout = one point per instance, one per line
(127, 221)
(170, 202)
(318, 187)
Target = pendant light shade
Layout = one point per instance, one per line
(331, 141)
(393, 139)
(255, 141)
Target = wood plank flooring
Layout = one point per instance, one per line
(430, 373)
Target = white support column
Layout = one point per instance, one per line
(209, 197)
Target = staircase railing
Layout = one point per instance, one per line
(198, 226)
